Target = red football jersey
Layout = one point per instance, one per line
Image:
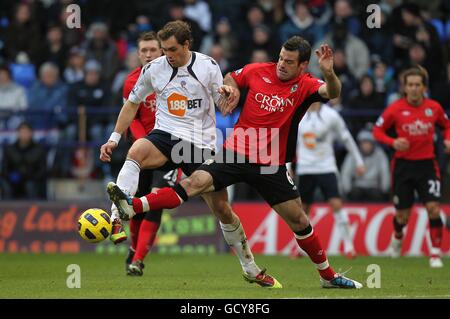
(266, 132)
(416, 124)
(144, 121)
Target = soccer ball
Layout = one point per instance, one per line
(94, 225)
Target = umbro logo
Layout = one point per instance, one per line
(266, 80)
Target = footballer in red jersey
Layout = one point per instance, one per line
(414, 166)
(143, 230)
(263, 139)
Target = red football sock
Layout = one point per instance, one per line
(436, 226)
(135, 224)
(164, 198)
(311, 245)
(147, 235)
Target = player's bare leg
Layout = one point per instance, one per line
(400, 220)
(235, 237)
(436, 227)
(294, 215)
(342, 222)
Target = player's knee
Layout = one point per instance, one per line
(402, 218)
(433, 209)
(135, 153)
(195, 183)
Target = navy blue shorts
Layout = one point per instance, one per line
(327, 183)
(180, 153)
(273, 183)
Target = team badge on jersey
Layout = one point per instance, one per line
(294, 88)
(428, 112)
(266, 80)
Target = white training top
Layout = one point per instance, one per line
(185, 97)
(316, 133)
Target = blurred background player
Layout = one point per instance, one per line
(187, 86)
(316, 164)
(143, 231)
(414, 167)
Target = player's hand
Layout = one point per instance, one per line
(106, 151)
(325, 58)
(401, 144)
(360, 170)
(229, 100)
(447, 146)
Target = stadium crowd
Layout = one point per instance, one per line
(66, 84)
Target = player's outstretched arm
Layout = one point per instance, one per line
(126, 116)
(231, 94)
(332, 87)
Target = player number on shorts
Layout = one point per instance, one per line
(435, 187)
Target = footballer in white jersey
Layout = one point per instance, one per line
(185, 97)
(316, 164)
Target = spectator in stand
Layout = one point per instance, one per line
(218, 55)
(356, 52)
(101, 48)
(382, 76)
(367, 97)
(54, 49)
(262, 40)
(131, 63)
(22, 35)
(374, 184)
(260, 56)
(253, 18)
(301, 22)
(273, 11)
(343, 12)
(176, 12)
(198, 10)
(342, 71)
(379, 40)
(12, 99)
(412, 28)
(24, 167)
(224, 36)
(47, 99)
(74, 72)
(92, 92)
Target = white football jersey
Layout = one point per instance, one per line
(316, 134)
(185, 97)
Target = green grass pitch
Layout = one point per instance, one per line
(219, 276)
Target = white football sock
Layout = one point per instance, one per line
(128, 179)
(234, 235)
(114, 212)
(343, 224)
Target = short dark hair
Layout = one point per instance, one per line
(179, 29)
(416, 70)
(297, 43)
(147, 36)
(24, 125)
